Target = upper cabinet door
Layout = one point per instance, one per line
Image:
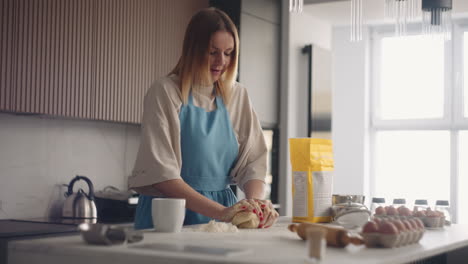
(91, 59)
(259, 66)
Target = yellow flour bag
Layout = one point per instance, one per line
(312, 179)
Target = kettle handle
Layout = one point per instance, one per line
(87, 180)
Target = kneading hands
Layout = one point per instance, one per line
(247, 213)
(251, 213)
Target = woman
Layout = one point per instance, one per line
(200, 133)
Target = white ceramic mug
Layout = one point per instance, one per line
(168, 214)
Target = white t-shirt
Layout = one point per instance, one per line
(159, 156)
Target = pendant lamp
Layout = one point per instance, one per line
(401, 12)
(356, 20)
(296, 6)
(437, 18)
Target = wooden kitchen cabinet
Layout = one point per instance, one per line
(89, 59)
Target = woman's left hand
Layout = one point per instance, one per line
(269, 214)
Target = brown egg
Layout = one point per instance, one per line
(420, 213)
(439, 213)
(370, 227)
(407, 224)
(380, 211)
(419, 222)
(388, 228)
(414, 223)
(400, 208)
(430, 213)
(401, 227)
(377, 220)
(391, 210)
(404, 211)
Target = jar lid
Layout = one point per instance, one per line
(378, 200)
(399, 201)
(442, 202)
(349, 205)
(421, 202)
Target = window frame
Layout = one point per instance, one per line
(459, 30)
(452, 119)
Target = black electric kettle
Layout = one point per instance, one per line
(79, 205)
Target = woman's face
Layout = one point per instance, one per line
(222, 46)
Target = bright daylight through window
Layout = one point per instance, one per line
(463, 179)
(412, 78)
(415, 126)
(402, 165)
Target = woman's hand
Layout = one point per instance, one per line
(228, 213)
(268, 214)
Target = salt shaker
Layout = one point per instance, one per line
(316, 243)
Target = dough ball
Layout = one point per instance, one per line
(246, 220)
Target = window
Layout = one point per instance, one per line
(413, 165)
(422, 73)
(463, 179)
(419, 117)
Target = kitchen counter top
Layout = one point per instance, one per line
(273, 245)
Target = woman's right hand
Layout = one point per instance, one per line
(244, 205)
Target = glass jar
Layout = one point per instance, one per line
(444, 207)
(420, 205)
(377, 202)
(399, 202)
(350, 215)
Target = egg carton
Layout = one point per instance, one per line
(433, 222)
(373, 240)
(430, 222)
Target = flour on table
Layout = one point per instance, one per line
(218, 227)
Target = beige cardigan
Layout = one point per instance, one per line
(159, 156)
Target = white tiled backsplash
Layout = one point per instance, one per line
(37, 155)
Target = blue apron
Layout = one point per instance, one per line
(209, 150)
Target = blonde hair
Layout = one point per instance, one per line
(193, 65)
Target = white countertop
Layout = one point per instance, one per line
(273, 245)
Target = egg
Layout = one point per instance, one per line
(400, 208)
(391, 210)
(439, 213)
(370, 227)
(388, 228)
(377, 220)
(430, 213)
(404, 211)
(414, 223)
(407, 224)
(380, 211)
(419, 222)
(420, 213)
(401, 227)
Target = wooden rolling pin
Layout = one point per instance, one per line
(336, 236)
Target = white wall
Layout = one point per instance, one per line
(304, 30)
(349, 103)
(298, 30)
(38, 154)
(350, 117)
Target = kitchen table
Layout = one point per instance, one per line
(273, 245)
